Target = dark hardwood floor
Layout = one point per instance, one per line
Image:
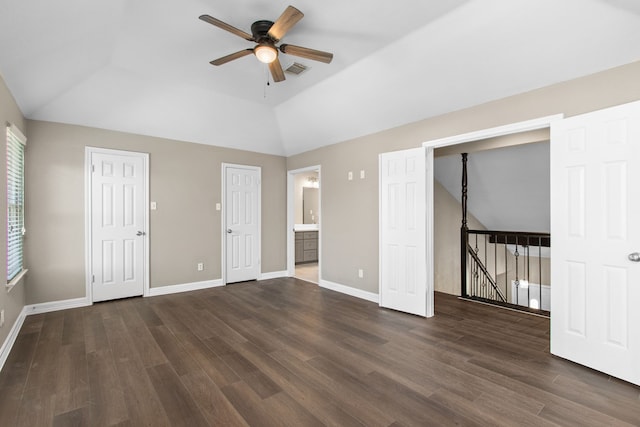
(286, 352)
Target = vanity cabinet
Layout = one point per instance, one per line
(306, 246)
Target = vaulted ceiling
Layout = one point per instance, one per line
(142, 66)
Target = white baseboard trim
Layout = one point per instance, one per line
(47, 307)
(7, 345)
(274, 275)
(185, 287)
(358, 293)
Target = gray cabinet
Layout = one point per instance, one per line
(306, 246)
(299, 246)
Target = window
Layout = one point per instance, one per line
(15, 203)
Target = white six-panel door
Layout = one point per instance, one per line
(118, 229)
(403, 226)
(242, 223)
(595, 227)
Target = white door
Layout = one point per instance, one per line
(242, 223)
(118, 224)
(595, 226)
(405, 272)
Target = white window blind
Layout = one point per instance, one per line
(15, 201)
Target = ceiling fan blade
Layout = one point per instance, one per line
(305, 52)
(231, 57)
(276, 71)
(233, 30)
(285, 22)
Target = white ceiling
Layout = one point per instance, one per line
(508, 188)
(142, 66)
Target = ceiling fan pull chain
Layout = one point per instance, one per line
(266, 69)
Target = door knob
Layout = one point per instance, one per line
(141, 233)
(635, 257)
(229, 230)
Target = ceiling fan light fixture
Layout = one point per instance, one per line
(265, 53)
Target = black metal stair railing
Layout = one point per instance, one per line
(498, 269)
(482, 284)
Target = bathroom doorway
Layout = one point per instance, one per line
(303, 219)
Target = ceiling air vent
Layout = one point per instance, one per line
(297, 68)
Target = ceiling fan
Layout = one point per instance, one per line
(266, 34)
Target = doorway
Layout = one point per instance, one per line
(486, 136)
(303, 224)
(508, 200)
(117, 219)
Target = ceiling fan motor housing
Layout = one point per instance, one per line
(260, 30)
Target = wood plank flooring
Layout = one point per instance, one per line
(285, 352)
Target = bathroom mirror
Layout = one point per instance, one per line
(310, 214)
(306, 200)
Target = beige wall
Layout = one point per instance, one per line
(11, 302)
(350, 208)
(185, 182)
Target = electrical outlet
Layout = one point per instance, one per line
(200, 266)
(2, 317)
(360, 273)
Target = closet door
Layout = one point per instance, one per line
(119, 241)
(242, 222)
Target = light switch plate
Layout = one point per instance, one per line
(218, 207)
(154, 206)
(362, 174)
(350, 176)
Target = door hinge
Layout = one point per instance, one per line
(93, 278)
(93, 168)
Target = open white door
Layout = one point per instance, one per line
(406, 276)
(595, 207)
(242, 222)
(118, 209)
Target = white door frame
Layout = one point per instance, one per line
(88, 151)
(223, 223)
(291, 258)
(528, 125)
